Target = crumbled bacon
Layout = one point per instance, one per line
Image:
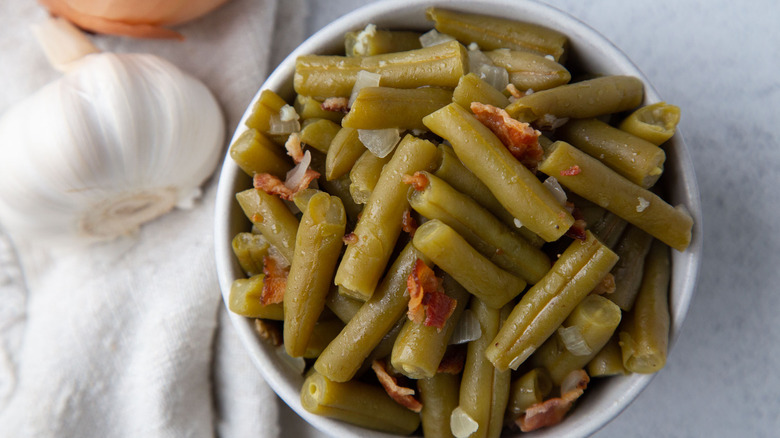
(520, 138)
(552, 411)
(605, 286)
(400, 394)
(577, 230)
(573, 170)
(454, 360)
(409, 225)
(514, 91)
(428, 304)
(336, 104)
(350, 238)
(294, 148)
(274, 283)
(419, 181)
(274, 186)
(269, 331)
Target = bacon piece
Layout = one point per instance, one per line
(438, 309)
(269, 331)
(336, 104)
(409, 225)
(294, 148)
(605, 286)
(520, 138)
(552, 411)
(419, 181)
(573, 170)
(454, 360)
(514, 91)
(274, 283)
(428, 304)
(401, 394)
(350, 238)
(577, 229)
(274, 186)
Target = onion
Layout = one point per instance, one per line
(380, 141)
(278, 126)
(467, 330)
(517, 223)
(364, 79)
(555, 188)
(288, 113)
(573, 341)
(483, 67)
(295, 175)
(434, 37)
(296, 363)
(461, 423)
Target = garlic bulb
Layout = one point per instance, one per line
(118, 141)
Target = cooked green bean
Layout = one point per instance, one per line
(596, 319)
(249, 249)
(245, 299)
(439, 396)
(518, 190)
(473, 89)
(365, 174)
(319, 133)
(357, 403)
(344, 150)
(528, 389)
(385, 107)
(436, 66)
(324, 332)
(455, 256)
(644, 337)
(598, 183)
(608, 361)
(655, 123)
(639, 161)
(371, 41)
(484, 390)
(311, 108)
(338, 187)
(343, 306)
(380, 224)
(385, 346)
(580, 100)
(274, 220)
(268, 104)
(529, 71)
(317, 247)
(343, 357)
(605, 225)
(632, 250)
(547, 304)
(418, 350)
(496, 33)
(254, 153)
(493, 239)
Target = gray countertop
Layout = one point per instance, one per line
(718, 61)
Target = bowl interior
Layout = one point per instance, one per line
(589, 52)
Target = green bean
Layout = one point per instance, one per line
(596, 319)
(254, 153)
(357, 403)
(338, 187)
(268, 104)
(639, 161)
(473, 89)
(580, 100)
(518, 190)
(343, 357)
(310, 108)
(365, 174)
(245, 299)
(343, 306)
(484, 390)
(455, 256)
(385, 346)
(344, 150)
(599, 184)
(492, 33)
(547, 304)
(644, 338)
(632, 250)
(436, 66)
(249, 249)
(385, 107)
(372, 41)
(655, 123)
(319, 133)
(380, 224)
(323, 334)
(608, 228)
(529, 71)
(317, 247)
(493, 239)
(608, 361)
(439, 396)
(274, 220)
(528, 389)
(418, 350)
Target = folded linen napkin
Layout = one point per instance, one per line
(130, 337)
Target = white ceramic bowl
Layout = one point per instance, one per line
(591, 52)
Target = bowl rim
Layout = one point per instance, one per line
(283, 380)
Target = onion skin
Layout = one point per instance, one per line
(133, 18)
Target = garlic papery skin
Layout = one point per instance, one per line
(116, 142)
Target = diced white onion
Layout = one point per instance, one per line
(295, 175)
(517, 222)
(277, 126)
(473, 46)
(549, 122)
(477, 59)
(467, 330)
(364, 79)
(461, 423)
(361, 40)
(433, 37)
(288, 113)
(573, 341)
(296, 363)
(555, 188)
(643, 204)
(496, 76)
(380, 141)
(550, 57)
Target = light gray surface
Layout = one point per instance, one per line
(718, 61)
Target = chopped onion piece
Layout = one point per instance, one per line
(295, 175)
(496, 76)
(555, 188)
(573, 341)
(467, 330)
(380, 141)
(461, 423)
(433, 37)
(477, 59)
(473, 46)
(364, 79)
(288, 113)
(296, 363)
(517, 222)
(277, 126)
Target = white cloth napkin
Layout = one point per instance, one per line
(130, 338)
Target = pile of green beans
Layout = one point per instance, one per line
(521, 268)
